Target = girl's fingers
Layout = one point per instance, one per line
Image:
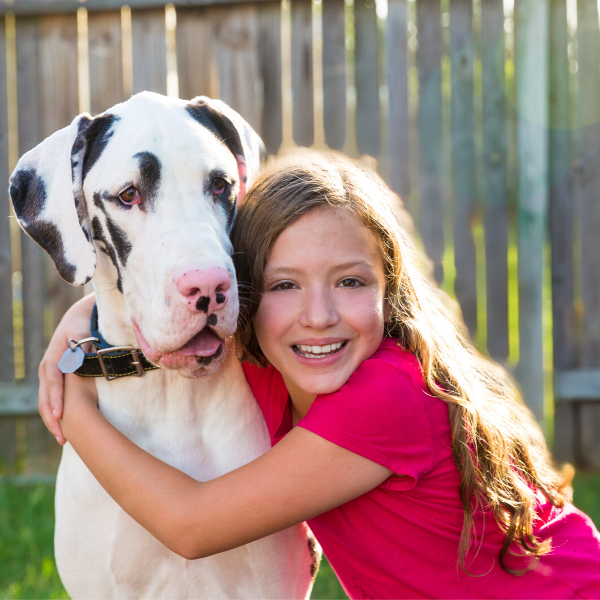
(45, 407)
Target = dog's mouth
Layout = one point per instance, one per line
(205, 345)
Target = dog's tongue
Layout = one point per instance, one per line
(205, 343)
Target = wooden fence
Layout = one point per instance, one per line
(483, 116)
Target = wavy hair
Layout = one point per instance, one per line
(497, 445)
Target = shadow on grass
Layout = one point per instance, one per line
(27, 568)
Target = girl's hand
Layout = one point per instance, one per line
(74, 325)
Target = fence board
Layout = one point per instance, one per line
(397, 81)
(334, 73)
(589, 209)
(7, 365)
(270, 68)
(531, 56)
(429, 60)
(105, 60)
(195, 57)
(366, 78)
(303, 118)
(236, 40)
(149, 51)
(495, 177)
(30, 134)
(560, 225)
(59, 101)
(463, 158)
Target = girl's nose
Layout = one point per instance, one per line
(319, 311)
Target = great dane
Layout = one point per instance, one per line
(140, 201)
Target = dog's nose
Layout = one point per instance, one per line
(204, 290)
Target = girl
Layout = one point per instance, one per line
(411, 457)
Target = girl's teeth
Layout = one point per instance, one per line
(318, 350)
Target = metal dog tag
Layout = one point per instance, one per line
(71, 360)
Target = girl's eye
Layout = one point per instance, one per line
(286, 285)
(218, 185)
(130, 197)
(349, 282)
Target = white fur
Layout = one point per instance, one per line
(204, 426)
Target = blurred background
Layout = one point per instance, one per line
(484, 115)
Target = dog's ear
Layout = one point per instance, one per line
(47, 194)
(244, 143)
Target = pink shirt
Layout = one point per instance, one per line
(400, 540)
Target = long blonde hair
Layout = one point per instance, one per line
(498, 448)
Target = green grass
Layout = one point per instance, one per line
(27, 568)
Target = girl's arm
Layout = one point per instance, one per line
(74, 325)
(303, 476)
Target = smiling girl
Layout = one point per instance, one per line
(410, 455)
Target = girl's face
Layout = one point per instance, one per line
(323, 307)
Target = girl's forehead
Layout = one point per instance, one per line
(329, 232)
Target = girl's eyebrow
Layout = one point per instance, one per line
(294, 271)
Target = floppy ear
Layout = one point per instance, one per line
(235, 133)
(47, 195)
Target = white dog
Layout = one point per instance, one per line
(140, 200)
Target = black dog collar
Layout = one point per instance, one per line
(111, 361)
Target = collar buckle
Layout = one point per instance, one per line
(134, 355)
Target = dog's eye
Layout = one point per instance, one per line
(218, 185)
(130, 196)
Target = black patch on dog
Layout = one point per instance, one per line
(96, 134)
(220, 298)
(220, 125)
(150, 174)
(202, 304)
(314, 555)
(228, 199)
(211, 320)
(28, 194)
(206, 360)
(119, 239)
(107, 248)
(226, 132)
(48, 236)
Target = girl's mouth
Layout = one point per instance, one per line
(318, 351)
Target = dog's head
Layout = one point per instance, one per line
(153, 185)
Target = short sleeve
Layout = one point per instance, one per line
(381, 414)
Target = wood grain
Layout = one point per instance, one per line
(588, 160)
(236, 43)
(106, 60)
(463, 158)
(397, 82)
(195, 55)
(303, 120)
(149, 51)
(429, 60)
(560, 221)
(30, 134)
(531, 80)
(7, 362)
(495, 171)
(334, 73)
(269, 39)
(366, 77)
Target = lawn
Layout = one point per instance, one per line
(27, 568)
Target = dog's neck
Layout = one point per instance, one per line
(114, 322)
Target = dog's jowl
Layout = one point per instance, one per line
(140, 201)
